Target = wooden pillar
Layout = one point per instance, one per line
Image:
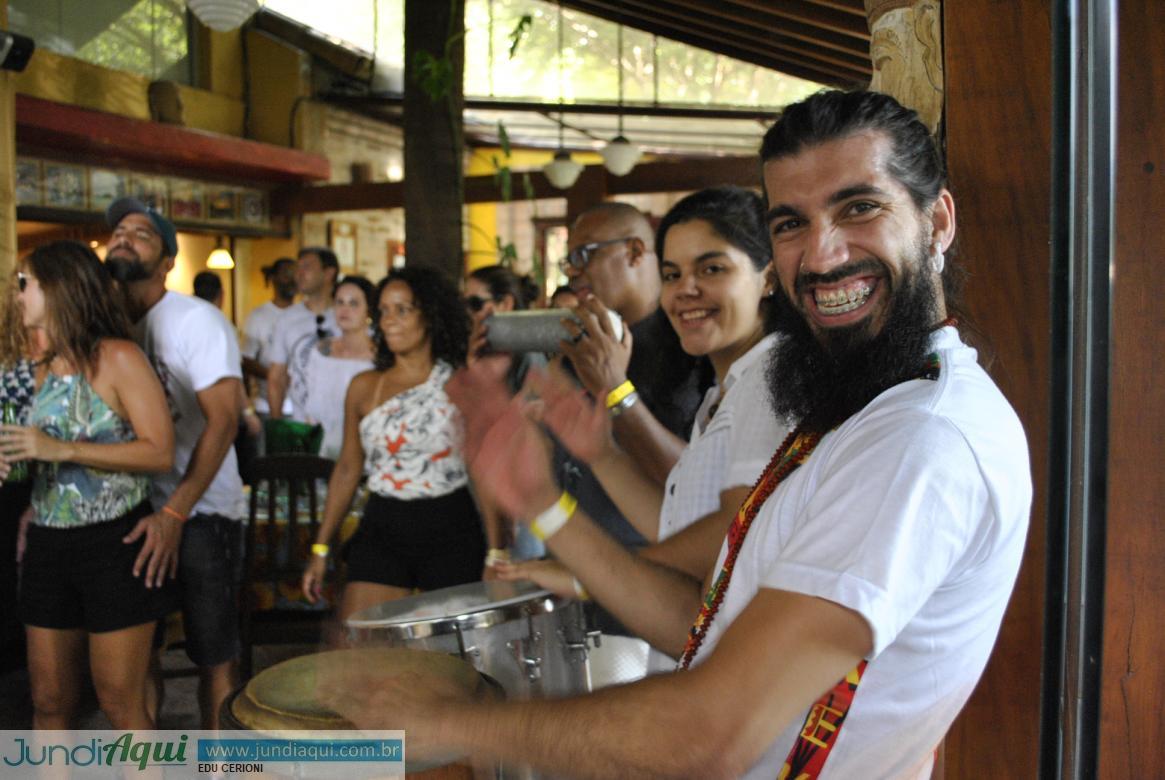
(998, 140)
(589, 190)
(7, 163)
(433, 186)
(1132, 672)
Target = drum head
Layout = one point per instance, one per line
(284, 697)
(473, 605)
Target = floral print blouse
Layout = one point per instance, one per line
(68, 495)
(412, 442)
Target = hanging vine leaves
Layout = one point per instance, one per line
(518, 34)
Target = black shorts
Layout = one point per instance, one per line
(210, 572)
(425, 543)
(83, 578)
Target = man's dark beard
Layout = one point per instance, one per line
(125, 269)
(820, 383)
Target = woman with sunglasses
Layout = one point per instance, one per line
(99, 423)
(420, 528)
(489, 290)
(714, 254)
(322, 368)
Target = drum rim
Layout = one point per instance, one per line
(535, 601)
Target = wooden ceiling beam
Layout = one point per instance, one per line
(801, 67)
(825, 18)
(658, 176)
(847, 44)
(753, 33)
(809, 13)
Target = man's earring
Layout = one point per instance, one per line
(937, 259)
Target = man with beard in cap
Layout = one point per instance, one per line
(199, 502)
(862, 584)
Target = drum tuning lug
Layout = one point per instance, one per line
(596, 637)
(531, 662)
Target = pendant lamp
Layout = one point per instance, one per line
(223, 15)
(562, 172)
(620, 155)
(220, 258)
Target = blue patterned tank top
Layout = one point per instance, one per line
(68, 495)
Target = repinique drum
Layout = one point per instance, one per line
(282, 701)
(532, 642)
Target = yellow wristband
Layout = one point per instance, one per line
(551, 520)
(320, 550)
(619, 393)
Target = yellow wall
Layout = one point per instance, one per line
(483, 217)
(66, 80)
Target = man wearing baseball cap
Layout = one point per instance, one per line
(199, 503)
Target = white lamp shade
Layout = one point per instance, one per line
(223, 15)
(620, 156)
(220, 259)
(562, 172)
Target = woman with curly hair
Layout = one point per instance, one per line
(420, 528)
(99, 424)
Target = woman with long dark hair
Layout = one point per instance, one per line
(99, 423)
(714, 252)
(420, 528)
(321, 370)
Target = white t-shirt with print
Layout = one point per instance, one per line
(296, 324)
(258, 337)
(192, 346)
(913, 513)
(727, 449)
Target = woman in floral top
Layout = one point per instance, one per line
(420, 528)
(98, 423)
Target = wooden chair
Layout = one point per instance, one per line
(280, 532)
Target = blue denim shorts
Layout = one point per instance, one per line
(210, 573)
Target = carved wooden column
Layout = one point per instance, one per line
(433, 186)
(907, 54)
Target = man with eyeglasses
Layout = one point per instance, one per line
(316, 272)
(199, 502)
(612, 265)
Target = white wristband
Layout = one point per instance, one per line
(551, 520)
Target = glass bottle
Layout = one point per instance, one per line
(19, 470)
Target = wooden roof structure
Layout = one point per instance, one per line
(827, 41)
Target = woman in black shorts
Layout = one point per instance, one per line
(99, 421)
(420, 528)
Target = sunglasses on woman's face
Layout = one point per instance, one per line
(21, 281)
(476, 303)
(321, 331)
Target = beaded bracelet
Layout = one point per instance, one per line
(551, 520)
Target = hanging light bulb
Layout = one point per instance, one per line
(620, 155)
(223, 15)
(562, 172)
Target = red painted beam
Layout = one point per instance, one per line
(45, 127)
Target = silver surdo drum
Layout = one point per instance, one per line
(535, 644)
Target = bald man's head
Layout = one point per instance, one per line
(612, 255)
